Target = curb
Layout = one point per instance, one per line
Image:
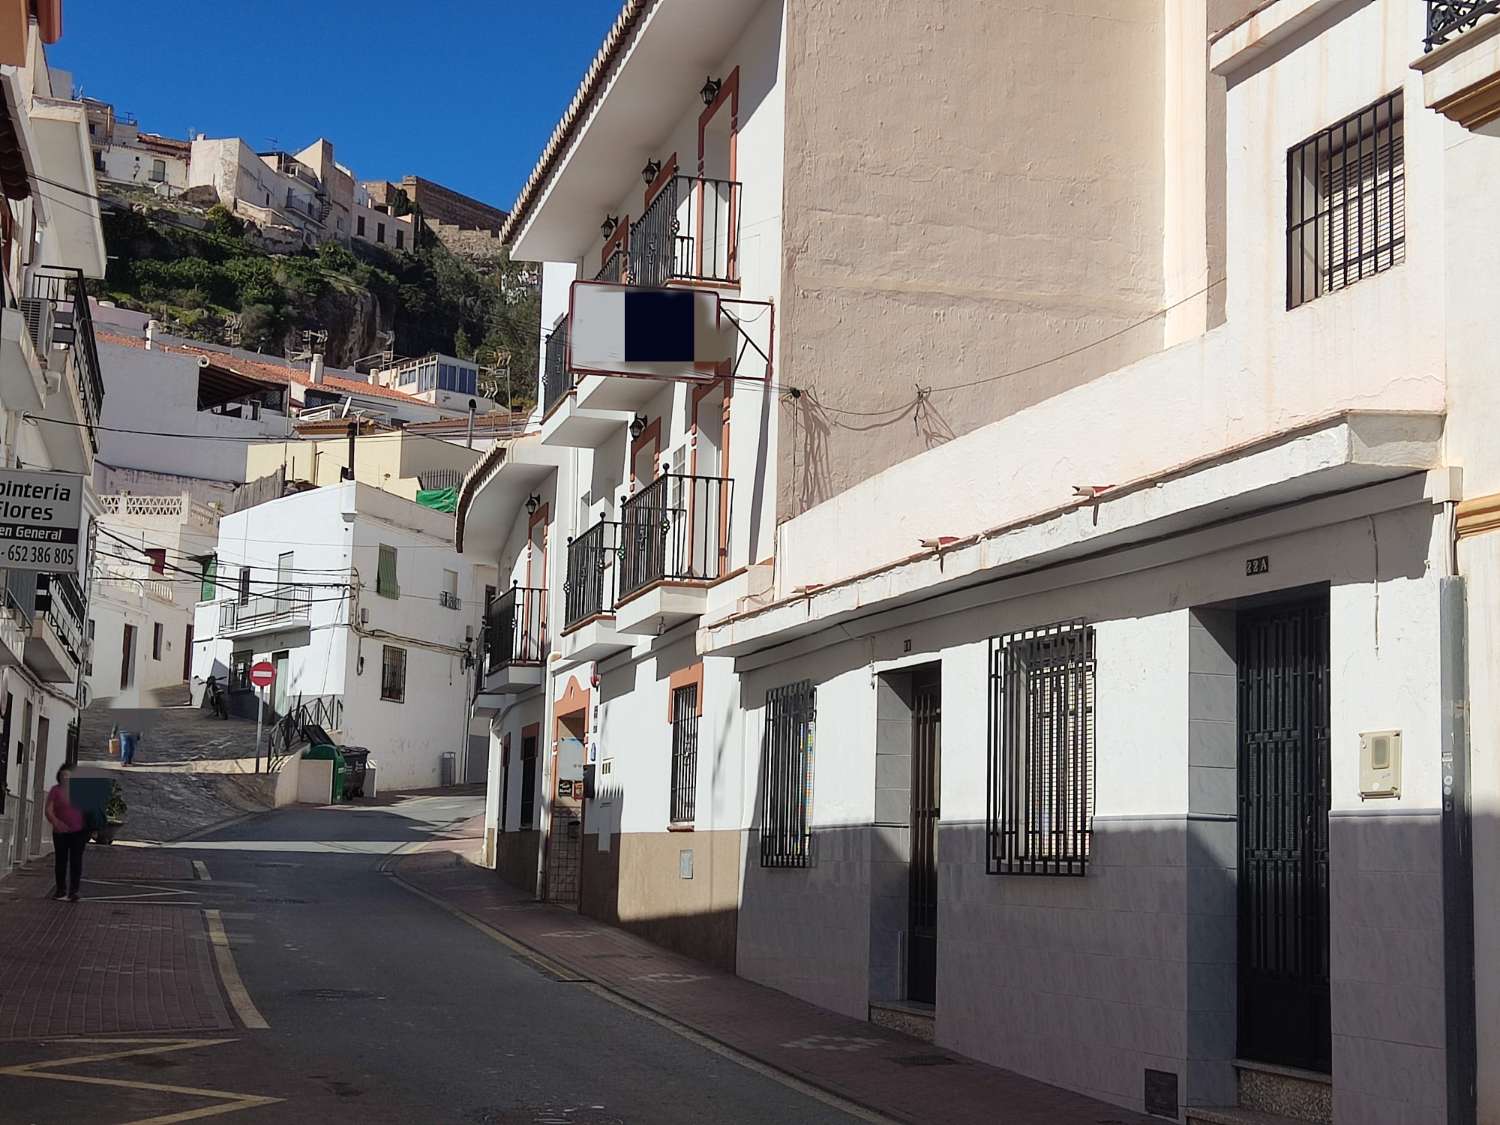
(568, 973)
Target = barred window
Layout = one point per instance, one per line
(1041, 751)
(786, 776)
(393, 674)
(684, 754)
(1346, 202)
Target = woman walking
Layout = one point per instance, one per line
(69, 835)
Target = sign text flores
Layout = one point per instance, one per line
(40, 516)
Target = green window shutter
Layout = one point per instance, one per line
(385, 574)
(210, 568)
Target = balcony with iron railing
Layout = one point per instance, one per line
(1460, 62)
(557, 380)
(516, 643)
(283, 609)
(57, 312)
(55, 646)
(1447, 18)
(688, 232)
(589, 590)
(674, 544)
(613, 269)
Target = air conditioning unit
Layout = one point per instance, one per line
(38, 313)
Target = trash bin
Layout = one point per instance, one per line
(327, 752)
(355, 764)
(127, 746)
(448, 768)
(370, 788)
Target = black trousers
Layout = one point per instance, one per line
(67, 853)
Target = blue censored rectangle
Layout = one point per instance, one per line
(659, 327)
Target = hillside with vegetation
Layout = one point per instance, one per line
(216, 284)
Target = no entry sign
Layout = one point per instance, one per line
(263, 674)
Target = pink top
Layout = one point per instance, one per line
(69, 815)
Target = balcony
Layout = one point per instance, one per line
(17, 610)
(613, 269)
(566, 422)
(283, 615)
(589, 594)
(516, 644)
(689, 233)
(1460, 63)
(557, 380)
(54, 648)
(674, 546)
(56, 310)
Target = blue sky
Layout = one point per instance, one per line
(464, 92)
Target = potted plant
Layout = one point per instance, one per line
(114, 816)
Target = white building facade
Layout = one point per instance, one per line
(1136, 735)
(51, 393)
(360, 601)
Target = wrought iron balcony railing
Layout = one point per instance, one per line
(515, 629)
(285, 607)
(1446, 18)
(65, 613)
(557, 380)
(65, 295)
(613, 268)
(690, 231)
(20, 593)
(675, 530)
(592, 559)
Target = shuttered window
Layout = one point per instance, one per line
(1346, 202)
(1041, 751)
(385, 574)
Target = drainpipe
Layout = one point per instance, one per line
(469, 441)
(1458, 856)
(348, 473)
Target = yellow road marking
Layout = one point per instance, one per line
(201, 870)
(233, 1102)
(239, 996)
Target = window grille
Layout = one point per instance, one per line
(1041, 751)
(786, 776)
(1346, 202)
(393, 674)
(684, 754)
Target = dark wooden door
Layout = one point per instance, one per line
(922, 890)
(1283, 835)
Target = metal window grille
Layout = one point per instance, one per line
(1041, 751)
(528, 781)
(684, 753)
(786, 776)
(1446, 18)
(393, 674)
(1346, 202)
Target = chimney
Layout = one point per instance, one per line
(152, 328)
(348, 473)
(315, 369)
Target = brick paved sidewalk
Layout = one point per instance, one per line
(892, 1074)
(100, 966)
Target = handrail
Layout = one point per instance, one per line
(689, 231)
(590, 587)
(675, 529)
(515, 628)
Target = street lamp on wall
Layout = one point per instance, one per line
(651, 171)
(533, 502)
(711, 90)
(637, 427)
(607, 227)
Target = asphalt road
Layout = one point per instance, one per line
(385, 1008)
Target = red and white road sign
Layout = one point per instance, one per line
(263, 674)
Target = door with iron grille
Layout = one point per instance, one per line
(1283, 835)
(922, 890)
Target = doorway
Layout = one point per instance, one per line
(565, 827)
(39, 783)
(187, 654)
(1283, 788)
(127, 658)
(922, 874)
(281, 689)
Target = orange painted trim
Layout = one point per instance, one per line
(729, 94)
(617, 241)
(663, 178)
(697, 283)
(691, 676)
(532, 730)
(575, 701)
(652, 433)
(586, 622)
(680, 826)
(49, 23)
(728, 577)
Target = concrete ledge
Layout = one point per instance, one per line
(1461, 79)
(1270, 27)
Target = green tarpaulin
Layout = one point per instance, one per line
(438, 499)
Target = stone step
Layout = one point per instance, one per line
(916, 1020)
(1300, 1095)
(1235, 1115)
